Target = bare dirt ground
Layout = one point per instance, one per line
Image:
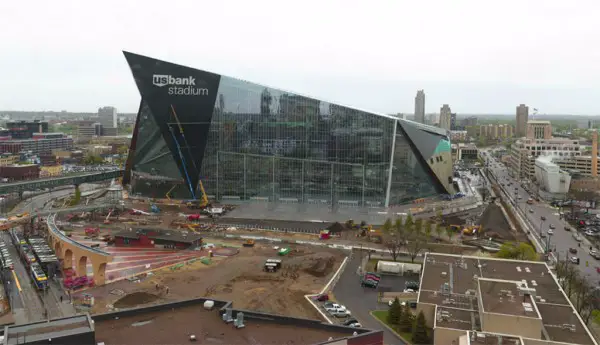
(238, 278)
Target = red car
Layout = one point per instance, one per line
(322, 297)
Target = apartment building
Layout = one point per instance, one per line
(41, 143)
(496, 131)
(476, 300)
(459, 135)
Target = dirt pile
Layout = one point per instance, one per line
(134, 299)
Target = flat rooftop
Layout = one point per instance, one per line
(483, 338)
(174, 326)
(42, 331)
(454, 281)
(502, 297)
(456, 318)
(558, 321)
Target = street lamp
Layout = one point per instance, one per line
(548, 243)
(542, 219)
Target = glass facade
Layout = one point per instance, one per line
(264, 144)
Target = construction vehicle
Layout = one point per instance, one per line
(472, 230)
(168, 195)
(154, 209)
(249, 243)
(193, 217)
(107, 220)
(202, 203)
(92, 232)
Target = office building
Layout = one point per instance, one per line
(524, 152)
(24, 129)
(107, 116)
(445, 117)
(420, 107)
(550, 177)
(459, 136)
(539, 130)
(462, 151)
(247, 142)
(522, 118)
(88, 129)
(477, 300)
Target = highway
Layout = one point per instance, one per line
(561, 240)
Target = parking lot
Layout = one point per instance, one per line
(362, 300)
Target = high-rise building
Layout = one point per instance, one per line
(247, 142)
(25, 129)
(445, 117)
(107, 116)
(453, 122)
(420, 107)
(522, 118)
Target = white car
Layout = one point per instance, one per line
(356, 325)
(409, 291)
(550, 232)
(334, 309)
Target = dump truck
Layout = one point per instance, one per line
(249, 243)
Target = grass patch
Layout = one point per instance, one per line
(381, 316)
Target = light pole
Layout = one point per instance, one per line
(542, 219)
(548, 243)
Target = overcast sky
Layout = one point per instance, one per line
(479, 56)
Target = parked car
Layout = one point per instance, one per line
(573, 250)
(567, 228)
(595, 254)
(342, 314)
(322, 297)
(350, 321)
(551, 226)
(330, 305)
(550, 232)
(370, 283)
(414, 285)
(355, 325)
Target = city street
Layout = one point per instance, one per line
(561, 240)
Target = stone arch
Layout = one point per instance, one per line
(99, 272)
(58, 249)
(68, 259)
(82, 265)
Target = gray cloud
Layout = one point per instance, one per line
(478, 56)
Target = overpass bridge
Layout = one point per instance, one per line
(75, 180)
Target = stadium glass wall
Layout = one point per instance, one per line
(247, 142)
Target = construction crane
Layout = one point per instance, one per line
(168, 195)
(202, 203)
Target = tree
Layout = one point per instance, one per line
(449, 233)
(520, 251)
(439, 229)
(394, 313)
(122, 150)
(428, 229)
(416, 240)
(77, 197)
(394, 237)
(405, 324)
(419, 331)
(93, 160)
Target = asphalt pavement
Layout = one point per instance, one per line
(361, 300)
(561, 240)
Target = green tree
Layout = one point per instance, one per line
(386, 228)
(520, 251)
(93, 160)
(449, 233)
(77, 197)
(419, 331)
(428, 229)
(122, 150)
(405, 324)
(439, 229)
(394, 313)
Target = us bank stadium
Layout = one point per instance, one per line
(245, 142)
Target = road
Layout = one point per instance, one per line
(31, 306)
(360, 301)
(38, 202)
(561, 240)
